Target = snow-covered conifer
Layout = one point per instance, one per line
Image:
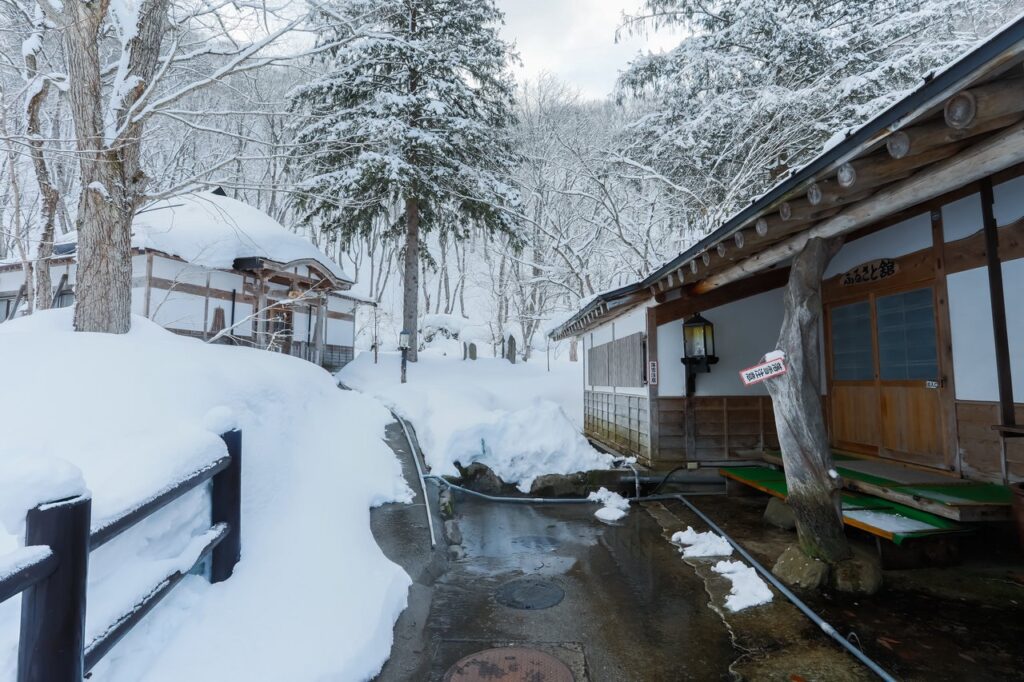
(409, 121)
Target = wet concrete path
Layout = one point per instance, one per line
(631, 611)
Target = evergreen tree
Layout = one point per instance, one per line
(408, 124)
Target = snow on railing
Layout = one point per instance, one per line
(52, 569)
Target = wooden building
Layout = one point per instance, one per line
(205, 263)
(923, 303)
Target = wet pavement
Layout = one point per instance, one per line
(617, 603)
(630, 611)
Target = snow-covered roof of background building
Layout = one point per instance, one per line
(211, 230)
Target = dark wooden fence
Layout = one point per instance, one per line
(52, 646)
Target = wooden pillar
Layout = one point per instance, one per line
(318, 334)
(814, 493)
(998, 300)
(653, 378)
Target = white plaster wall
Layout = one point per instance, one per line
(1009, 201)
(340, 332)
(176, 271)
(744, 331)
(897, 240)
(671, 373)
(970, 313)
(962, 218)
(177, 310)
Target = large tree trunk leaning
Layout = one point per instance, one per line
(410, 308)
(814, 492)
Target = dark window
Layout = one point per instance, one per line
(906, 336)
(65, 299)
(852, 355)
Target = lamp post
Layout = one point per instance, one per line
(403, 344)
(698, 349)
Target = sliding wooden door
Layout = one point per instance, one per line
(887, 391)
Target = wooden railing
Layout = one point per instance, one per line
(52, 581)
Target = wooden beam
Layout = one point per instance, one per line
(691, 302)
(979, 161)
(880, 168)
(927, 136)
(992, 100)
(803, 209)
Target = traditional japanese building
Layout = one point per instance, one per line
(208, 266)
(922, 350)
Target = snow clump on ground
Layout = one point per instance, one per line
(702, 544)
(614, 507)
(747, 587)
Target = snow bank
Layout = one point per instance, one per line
(520, 420)
(614, 507)
(702, 544)
(210, 230)
(313, 596)
(747, 587)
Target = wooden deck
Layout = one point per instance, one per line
(882, 518)
(951, 498)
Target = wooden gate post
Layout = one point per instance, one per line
(52, 644)
(227, 507)
(813, 492)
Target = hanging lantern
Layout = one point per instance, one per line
(699, 340)
(699, 349)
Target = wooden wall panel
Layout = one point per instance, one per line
(912, 425)
(979, 445)
(724, 425)
(854, 415)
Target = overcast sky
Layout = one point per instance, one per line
(575, 40)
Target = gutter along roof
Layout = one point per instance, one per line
(993, 56)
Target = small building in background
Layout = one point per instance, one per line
(214, 268)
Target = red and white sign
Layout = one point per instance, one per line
(769, 369)
(652, 372)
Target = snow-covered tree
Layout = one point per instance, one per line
(409, 122)
(758, 86)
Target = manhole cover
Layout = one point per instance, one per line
(529, 593)
(509, 664)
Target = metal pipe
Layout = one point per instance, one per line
(786, 592)
(423, 485)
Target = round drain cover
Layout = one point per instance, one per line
(509, 664)
(529, 593)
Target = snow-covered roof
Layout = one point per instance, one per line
(211, 230)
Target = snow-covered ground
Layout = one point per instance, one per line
(313, 597)
(520, 420)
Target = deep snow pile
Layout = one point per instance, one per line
(313, 596)
(520, 420)
(613, 505)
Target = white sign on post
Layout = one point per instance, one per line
(772, 365)
(652, 372)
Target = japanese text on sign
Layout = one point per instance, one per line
(652, 372)
(766, 370)
(870, 272)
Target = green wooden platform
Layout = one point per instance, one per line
(880, 517)
(936, 493)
